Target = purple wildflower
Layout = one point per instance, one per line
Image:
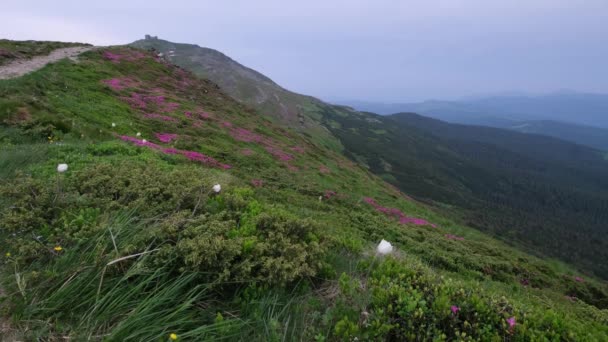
(511, 322)
(455, 309)
(165, 137)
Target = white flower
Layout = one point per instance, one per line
(320, 198)
(144, 141)
(217, 188)
(138, 134)
(61, 168)
(384, 247)
(113, 124)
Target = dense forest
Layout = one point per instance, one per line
(544, 194)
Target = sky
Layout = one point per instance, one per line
(374, 50)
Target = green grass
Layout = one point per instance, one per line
(148, 250)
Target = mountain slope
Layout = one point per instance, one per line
(578, 118)
(494, 177)
(544, 194)
(584, 135)
(132, 243)
(246, 85)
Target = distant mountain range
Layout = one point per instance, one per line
(577, 117)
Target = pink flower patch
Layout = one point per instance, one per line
(571, 298)
(454, 237)
(511, 321)
(298, 149)
(139, 142)
(324, 169)
(247, 152)
(170, 107)
(188, 114)
(455, 309)
(160, 117)
(246, 135)
(257, 183)
(394, 212)
(227, 124)
(278, 153)
(118, 84)
(171, 150)
(165, 137)
(579, 279)
(127, 55)
(329, 194)
(192, 155)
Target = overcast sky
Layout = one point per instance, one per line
(374, 50)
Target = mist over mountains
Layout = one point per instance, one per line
(569, 115)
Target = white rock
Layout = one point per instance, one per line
(384, 247)
(61, 168)
(217, 188)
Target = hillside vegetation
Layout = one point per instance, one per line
(11, 50)
(543, 194)
(246, 86)
(131, 242)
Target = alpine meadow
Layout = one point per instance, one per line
(162, 191)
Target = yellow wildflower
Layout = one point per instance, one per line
(58, 248)
(8, 254)
(173, 336)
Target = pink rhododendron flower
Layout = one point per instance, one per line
(192, 155)
(246, 152)
(118, 83)
(454, 237)
(329, 194)
(323, 169)
(165, 137)
(403, 219)
(127, 55)
(160, 117)
(298, 149)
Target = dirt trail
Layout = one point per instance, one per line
(21, 67)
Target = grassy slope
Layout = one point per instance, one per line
(485, 185)
(543, 194)
(11, 50)
(248, 86)
(234, 266)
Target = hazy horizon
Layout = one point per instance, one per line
(391, 51)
